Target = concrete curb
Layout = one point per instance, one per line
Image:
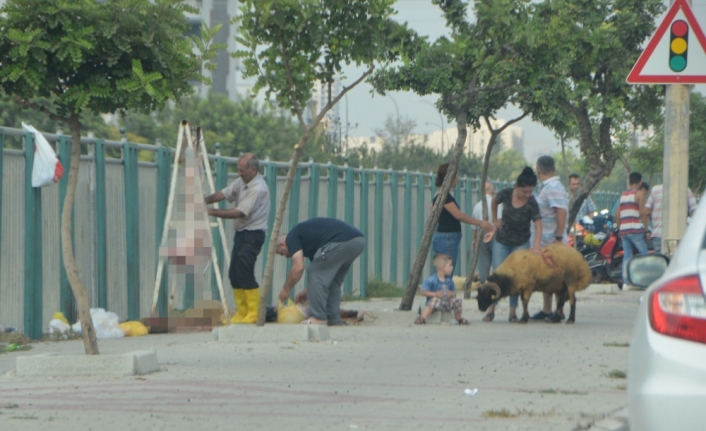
(125, 364)
(270, 333)
(602, 288)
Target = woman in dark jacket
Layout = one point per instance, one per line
(448, 232)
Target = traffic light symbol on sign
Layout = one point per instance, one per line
(678, 46)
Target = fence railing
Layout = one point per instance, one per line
(119, 214)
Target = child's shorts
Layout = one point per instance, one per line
(451, 304)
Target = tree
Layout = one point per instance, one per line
(239, 126)
(395, 133)
(472, 71)
(290, 46)
(648, 160)
(507, 165)
(13, 114)
(578, 56)
(84, 56)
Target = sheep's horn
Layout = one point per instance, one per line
(496, 289)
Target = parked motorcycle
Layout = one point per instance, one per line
(607, 263)
(591, 233)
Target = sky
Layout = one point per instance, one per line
(367, 112)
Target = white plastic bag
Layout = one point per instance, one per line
(57, 326)
(47, 168)
(104, 322)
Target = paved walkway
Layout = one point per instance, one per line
(383, 374)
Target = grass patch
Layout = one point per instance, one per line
(503, 413)
(553, 392)
(561, 392)
(26, 416)
(616, 344)
(616, 374)
(355, 296)
(10, 406)
(65, 336)
(507, 414)
(383, 289)
(621, 387)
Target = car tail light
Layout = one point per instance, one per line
(678, 309)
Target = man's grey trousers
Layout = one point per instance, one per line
(325, 276)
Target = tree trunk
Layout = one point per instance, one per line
(483, 178)
(84, 308)
(565, 168)
(600, 155)
(494, 133)
(415, 275)
(269, 269)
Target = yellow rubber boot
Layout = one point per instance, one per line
(253, 298)
(241, 305)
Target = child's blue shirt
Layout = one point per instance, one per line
(435, 284)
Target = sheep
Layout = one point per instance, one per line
(560, 270)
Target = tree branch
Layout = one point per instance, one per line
(31, 105)
(343, 92)
(292, 92)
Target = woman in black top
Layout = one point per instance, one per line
(448, 232)
(520, 210)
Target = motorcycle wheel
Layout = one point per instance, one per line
(598, 275)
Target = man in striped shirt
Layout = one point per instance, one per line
(630, 218)
(653, 210)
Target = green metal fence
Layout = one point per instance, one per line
(119, 215)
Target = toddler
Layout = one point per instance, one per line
(441, 291)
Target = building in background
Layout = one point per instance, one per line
(226, 78)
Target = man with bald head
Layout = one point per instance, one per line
(485, 251)
(252, 209)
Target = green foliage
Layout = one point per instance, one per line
(12, 115)
(507, 165)
(239, 127)
(103, 57)
(576, 57)
(648, 160)
(288, 45)
(473, 70)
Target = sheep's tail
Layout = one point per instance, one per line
(583, 276)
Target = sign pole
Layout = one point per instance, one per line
(676, 57)
(675, 168)
(675, 165)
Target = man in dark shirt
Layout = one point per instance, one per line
(331, 245)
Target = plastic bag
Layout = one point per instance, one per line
(47, 168)
(104, 322)
(289, 312)
(133, 328)
(60, 316)
(58, 326)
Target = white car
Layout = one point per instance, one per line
(667, 364)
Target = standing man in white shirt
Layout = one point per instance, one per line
(252, 209)
(485, 251)
(653, 210)
(554, 208)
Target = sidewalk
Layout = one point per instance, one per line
(382, 374)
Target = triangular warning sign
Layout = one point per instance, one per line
(676, 53)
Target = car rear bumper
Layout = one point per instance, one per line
(666, 380)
